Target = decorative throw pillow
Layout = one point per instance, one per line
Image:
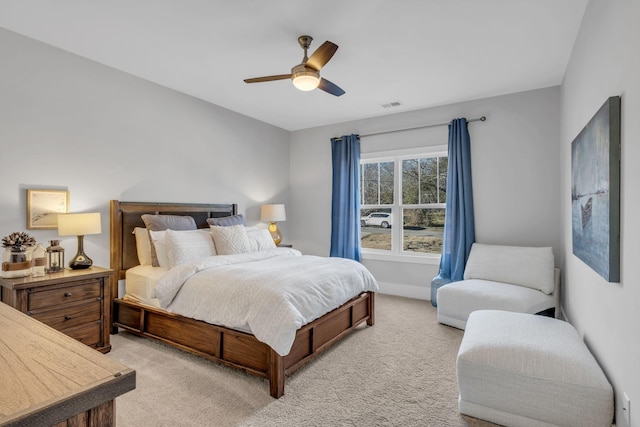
(227, 221)
(189, 245)
(166, 222)
(159, 245)
(230, 240)
(143, 245)
(260, 239)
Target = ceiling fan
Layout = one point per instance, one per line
(306, 75)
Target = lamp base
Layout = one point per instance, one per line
(81, 260)
(275, 233)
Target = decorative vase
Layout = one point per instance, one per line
(38, 261)
(16, 262)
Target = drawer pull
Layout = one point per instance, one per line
(67, 294)
(67, 317)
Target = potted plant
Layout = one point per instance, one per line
(16, 260)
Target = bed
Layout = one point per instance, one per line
(236, 347)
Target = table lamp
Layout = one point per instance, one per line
(273, 214)
(79, 224)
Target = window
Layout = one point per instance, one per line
(403, 197)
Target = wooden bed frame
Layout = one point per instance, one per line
(227, 346)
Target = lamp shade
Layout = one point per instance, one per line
(79, 224)
(273, 213)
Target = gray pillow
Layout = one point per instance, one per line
(166, 222)
(227, 221)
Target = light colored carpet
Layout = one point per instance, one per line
(400, 372)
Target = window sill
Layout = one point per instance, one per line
(412, 259)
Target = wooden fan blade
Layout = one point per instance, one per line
(329, 87)
(268, 78)
(322, 55)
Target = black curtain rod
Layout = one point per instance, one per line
(479, 119)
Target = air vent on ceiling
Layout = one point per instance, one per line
(392, 104)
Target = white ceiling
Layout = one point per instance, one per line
(422, 53)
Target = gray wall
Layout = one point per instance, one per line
(605, 62)
(70, 123)
(515, 168)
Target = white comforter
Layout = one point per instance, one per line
(270, 293)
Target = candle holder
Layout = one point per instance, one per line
(55, 257)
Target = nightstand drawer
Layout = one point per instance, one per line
(69, 317)
(90, 289)
(89, 334)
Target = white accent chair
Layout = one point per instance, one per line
(511, 278)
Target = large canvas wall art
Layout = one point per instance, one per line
(595, 191)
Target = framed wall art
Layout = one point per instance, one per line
(595, 192)
(43, 207)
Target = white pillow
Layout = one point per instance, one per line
(230, 240)
(143, 245)
(191, 245)
(259, 239)
(158, 240)
(166, 222)
(524, 266)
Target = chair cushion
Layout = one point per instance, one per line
(524, 266)
(521, 369)
(457, 300)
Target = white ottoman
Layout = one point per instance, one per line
(520, 369)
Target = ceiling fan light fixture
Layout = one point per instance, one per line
(304, 78)
(306, 83)
(306, 75)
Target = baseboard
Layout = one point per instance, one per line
(408, 291)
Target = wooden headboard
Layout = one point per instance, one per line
(125, 216)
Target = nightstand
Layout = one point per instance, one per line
(75, 302)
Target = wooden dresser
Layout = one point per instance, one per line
(76, 302)
(49, 379)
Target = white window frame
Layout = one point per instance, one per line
(397, 156)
